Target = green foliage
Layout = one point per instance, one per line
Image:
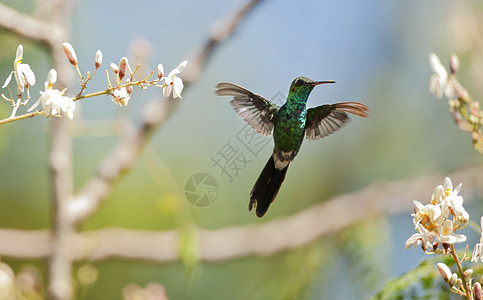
(422, 282)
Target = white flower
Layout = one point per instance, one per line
(121, 96)
(429, 216)
(422, 237)
(446, 234)
(54, 103)
(24, 76)
(174, 84)
(439, 81)
(452, 203)
(440, 219)
(51, 79)
(478, 250)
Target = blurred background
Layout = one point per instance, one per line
(377, 52)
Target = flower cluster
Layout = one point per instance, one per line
(121, 92)
(55, 103)
(436, 224)
(465, 111)
(437, 221)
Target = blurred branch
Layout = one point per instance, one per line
(157, 112)
(232, 242)
(53, 33)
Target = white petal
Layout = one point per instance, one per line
(178, 69)
(8, 80)
(19, 52)
(182, 65)
(437, 67)
(177, 87)
(29, 74)
(167, 91)
(434, 86)
(19, 77)
(418, 204)
(412, 240)
(35, 105)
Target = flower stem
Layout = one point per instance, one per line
(24, 116)
(104, 92)
(460, 268)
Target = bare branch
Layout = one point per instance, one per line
(29, 27)
(283, 234)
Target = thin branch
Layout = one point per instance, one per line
(21, 117)
(279, 235)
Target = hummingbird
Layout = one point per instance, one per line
(290, 123)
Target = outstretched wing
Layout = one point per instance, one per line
(325, 119)
(257, 111)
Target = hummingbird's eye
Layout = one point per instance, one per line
(298, 82)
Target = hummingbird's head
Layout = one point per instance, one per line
(302, 86)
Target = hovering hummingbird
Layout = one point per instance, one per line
(290, 123)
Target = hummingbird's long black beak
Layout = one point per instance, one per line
(322, 82)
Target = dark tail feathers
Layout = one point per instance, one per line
(266, 188)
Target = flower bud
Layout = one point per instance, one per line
(123, 65)
(160, 71)
(114, 68)
(52, 76)
(477, 291)
(69, 51)
(444, 270)
(468, 273)
(453, 279)
(454, 63)
(459, 281)
(98, 59)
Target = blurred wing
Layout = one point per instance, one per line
(257, 111)
(325, 119)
